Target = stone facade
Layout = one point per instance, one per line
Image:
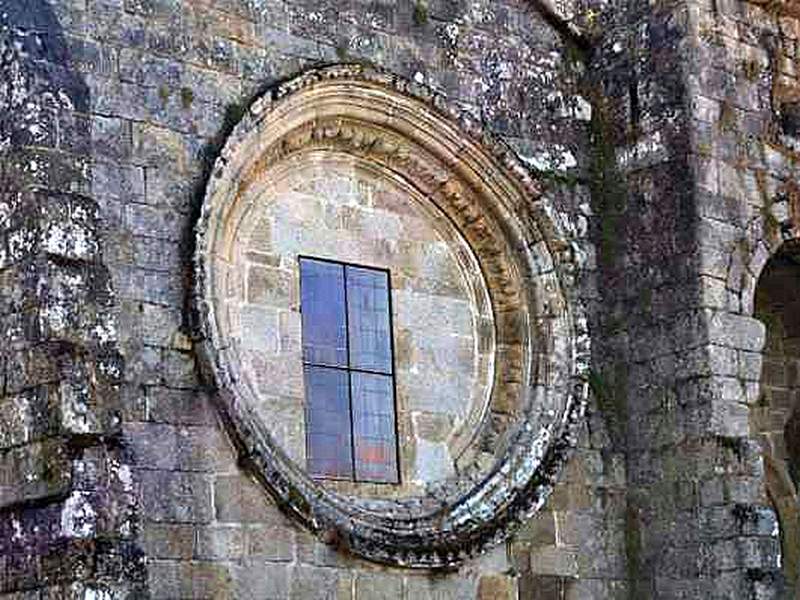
(663, 134)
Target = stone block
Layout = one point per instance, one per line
(143, 364)
(267, 581)
(169, 579)
(596, 589)
(570, 497)
(318, 582)
(729, 419)
(34, 472)
(743, 490)
(149, 285)
(156, 255)
(219, 543)
(170, 188)
(159, 147)
(147, 70)
(179, 407)
(378, 586)
(735, 331)
(178, 369)
(237, 499)
(550, 560)
(147, 323)
(496, 559)
(270, 543)
(539, 530)
(432, 462)
(151, 221)
(311, 551)
(173, 496)
(496, 587)
(440, 588)
(29, 416)
(544, 587)
(270, 287)
(111, 137)
(120, 182)
(164, 580)
(169, 540)
(169, 447)
(263, 322)
(712, 492)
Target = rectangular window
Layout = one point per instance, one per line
(351, 430)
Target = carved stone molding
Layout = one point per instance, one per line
(790, 8)
(410, 134)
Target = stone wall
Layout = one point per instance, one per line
(67, 500)
(164, 81)
(684, 230)
(667, 133)
(746, 168)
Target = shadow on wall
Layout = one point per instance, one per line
(776, 418)
(36, 82)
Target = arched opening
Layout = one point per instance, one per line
(776, 418)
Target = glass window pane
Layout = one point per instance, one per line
(329, 441)
(323, 312)
(368, 318)
(374, 435)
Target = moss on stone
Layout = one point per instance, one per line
(633, 546)
(187, 97)
(164, 93)
(727, 117)
(733, 444)
(772, 227)
(612, 403)
(420, 13)
(751, 69)
(605, 181)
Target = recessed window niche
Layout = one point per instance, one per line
(330, 205)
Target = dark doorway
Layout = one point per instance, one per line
(776, 418)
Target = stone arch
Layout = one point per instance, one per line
(765, 236)
(410, 133)
(775, 419)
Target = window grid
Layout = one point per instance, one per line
(372, 437)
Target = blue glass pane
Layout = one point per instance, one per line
(374, 436)
(323, 312)
(329, 441)
(368, 317)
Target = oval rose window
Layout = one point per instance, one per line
(388, 314)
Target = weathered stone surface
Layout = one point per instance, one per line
(496, 586)
(263, 581)
(176, 497)
(664, 133)
(169, 540)
(238, 500)
(378, 586)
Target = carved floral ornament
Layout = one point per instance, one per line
(540, 342)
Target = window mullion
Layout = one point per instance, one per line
(349, 375)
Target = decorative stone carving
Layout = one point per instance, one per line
(539, 348)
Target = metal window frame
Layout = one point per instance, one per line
(349, 369)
